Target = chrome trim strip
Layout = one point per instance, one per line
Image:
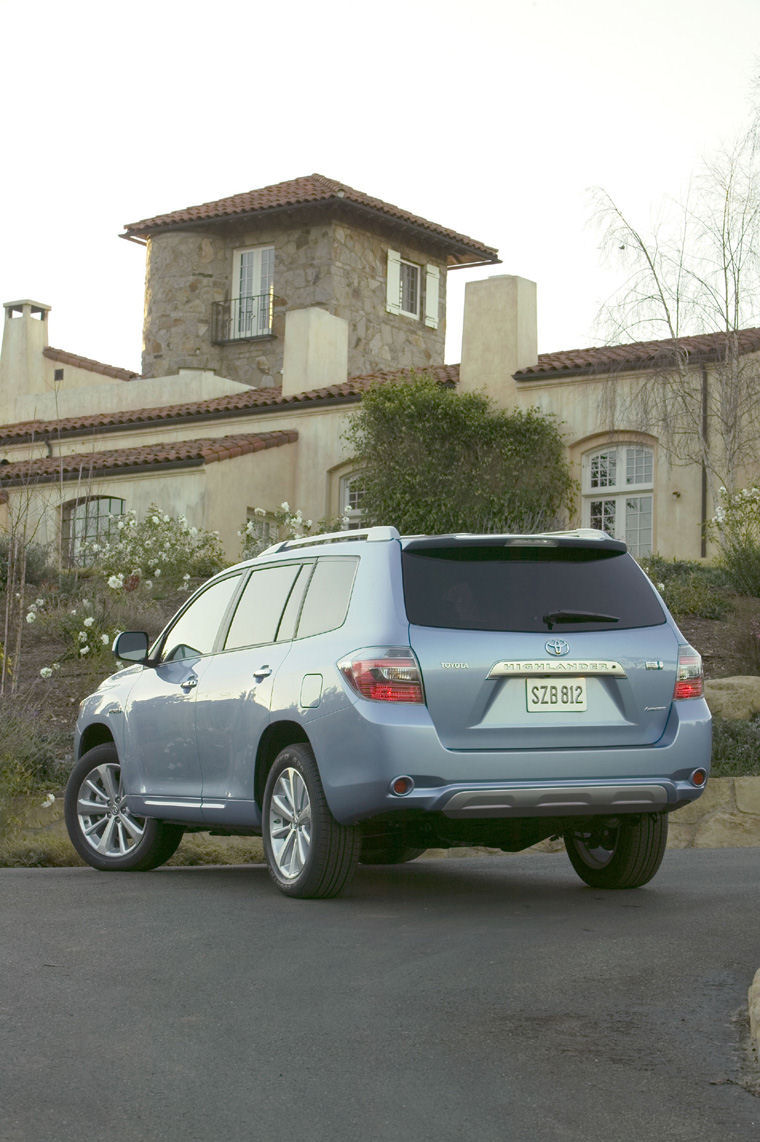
(173, 804)
(555, 801)
(544, 666)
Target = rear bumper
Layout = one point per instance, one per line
(559, 800)
(362, 749)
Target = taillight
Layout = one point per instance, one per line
(689, 676)
(384, 674)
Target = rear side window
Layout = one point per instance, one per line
(524, 589)
(257, 615)
(328, 596)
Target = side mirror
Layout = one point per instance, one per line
(131, 646)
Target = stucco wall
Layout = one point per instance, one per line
(582, 407)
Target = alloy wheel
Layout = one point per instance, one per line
(106, 824)
(290, 823)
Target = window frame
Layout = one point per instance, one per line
(71, 541)
(417, 271)
(619, 491)
(238, 329)
(353, 515)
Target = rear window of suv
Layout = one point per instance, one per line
(519, 588)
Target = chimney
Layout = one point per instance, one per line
(22, 365)
(499, 336)
(315, 352)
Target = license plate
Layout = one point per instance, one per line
(550, 695)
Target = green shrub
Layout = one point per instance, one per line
(690, 588)
(34, 757)
(433, 460)
(736, 748)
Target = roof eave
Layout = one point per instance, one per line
(460, 252)
(612, 368)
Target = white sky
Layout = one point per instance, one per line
(492, 118)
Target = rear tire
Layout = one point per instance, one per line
(309, 854)
(625, 855)
(102, 829)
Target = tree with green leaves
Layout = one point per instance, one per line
(437, 461)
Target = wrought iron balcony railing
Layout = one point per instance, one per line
(242, 318)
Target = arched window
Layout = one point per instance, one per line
(87, 521)
(617, 493)
(351, 496)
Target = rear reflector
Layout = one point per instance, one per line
(689, 677)
(402, 785)
(384, 674)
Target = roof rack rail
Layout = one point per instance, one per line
(370, 534)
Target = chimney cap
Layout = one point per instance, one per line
(36, 306)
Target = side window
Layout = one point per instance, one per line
(328, 596)
(258, 613)
(194, 632)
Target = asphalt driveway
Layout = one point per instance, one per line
(491, 998)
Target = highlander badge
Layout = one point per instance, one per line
(557, 646)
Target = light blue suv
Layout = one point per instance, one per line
(362, 697)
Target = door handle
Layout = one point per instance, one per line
(189, 683)
(262, 672)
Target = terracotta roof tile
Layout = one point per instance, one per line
(313, 190)
(571, 362)
(247, 400)
(87, 363)
(636, 355)
(189, 453)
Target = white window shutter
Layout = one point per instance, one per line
(393, 290)
(432, 275)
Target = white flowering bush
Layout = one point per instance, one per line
(735, 527)
(87, 631)
(268, 527)
(159, 547)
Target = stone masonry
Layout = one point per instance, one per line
(327, 263)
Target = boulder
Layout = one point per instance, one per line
(737, 697)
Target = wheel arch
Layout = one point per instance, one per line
(276, 737)
(95, 734)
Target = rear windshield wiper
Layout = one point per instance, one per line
(577, 617)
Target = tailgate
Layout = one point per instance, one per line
(538, 642)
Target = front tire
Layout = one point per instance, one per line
(309, 854)
(102, 829)
(622, 855)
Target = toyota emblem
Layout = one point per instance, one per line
(557, 646)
